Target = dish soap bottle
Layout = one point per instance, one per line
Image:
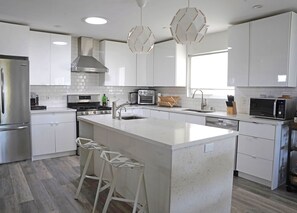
(104, 100)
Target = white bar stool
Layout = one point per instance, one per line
(90, 146)
(118, 161)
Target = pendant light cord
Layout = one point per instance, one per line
(188, 3)
(141, 16)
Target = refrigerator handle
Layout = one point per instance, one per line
(13, 128)
(2, 91)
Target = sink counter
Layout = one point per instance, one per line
(188, 167)
(170, 134)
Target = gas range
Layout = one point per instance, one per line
(87, 104)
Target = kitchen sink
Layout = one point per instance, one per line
(132, 117)
(199, 110)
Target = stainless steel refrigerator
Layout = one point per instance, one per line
(15, 138)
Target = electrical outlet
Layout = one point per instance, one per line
(209, 147)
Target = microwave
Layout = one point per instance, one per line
(146, 96)
(275, 108)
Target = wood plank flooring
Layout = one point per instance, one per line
(48, 186)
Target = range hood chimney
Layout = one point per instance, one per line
(85, 62)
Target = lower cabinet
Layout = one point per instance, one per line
(195, 119)
(53, 133)
(159, 114)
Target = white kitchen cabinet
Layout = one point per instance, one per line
(159, 114)
(273, 51)
(195, 119)
(14, 39)
(145, 69)
(50, 64)
(53, 133)
(177, 117)
(259, 152)
(169, 64)
(120, 61)
(238, 55)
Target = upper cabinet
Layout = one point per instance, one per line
(169, 64)
(14, 39)
(145, 69)
(50, 59)
(120, 61)
(238, 55)
(263, 52)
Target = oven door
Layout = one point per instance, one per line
(263, 107)
(146, 99)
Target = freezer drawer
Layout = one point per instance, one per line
(15, 143)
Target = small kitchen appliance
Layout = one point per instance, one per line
(133, 96)
(146, 96)
(275, 108)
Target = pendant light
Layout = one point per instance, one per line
(140, 38)
(188, 25)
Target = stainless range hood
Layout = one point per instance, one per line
(85, 62)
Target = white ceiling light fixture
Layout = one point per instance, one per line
(188, 25)
(95, 20)
(140, 38)
(60, 43)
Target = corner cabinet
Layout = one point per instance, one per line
(50, 64)
(14, 39)
(263, 52)
(120, 61)
(53, 134)
(170, 64)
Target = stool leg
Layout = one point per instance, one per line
(83, 175)
(112, 187)
(145, 195)
(137, 192)
(99, 186)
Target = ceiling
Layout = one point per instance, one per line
(65, 16)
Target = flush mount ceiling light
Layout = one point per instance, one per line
(95, 20)
(188, 25)
(140, 38)
(257, 6)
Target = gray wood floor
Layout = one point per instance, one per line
(49, 186)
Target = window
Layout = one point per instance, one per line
(209, 72)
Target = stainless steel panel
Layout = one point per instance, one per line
(83, 98)
(14, 80)
(15, 143)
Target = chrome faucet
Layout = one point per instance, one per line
(120, 112)
(115, 108)
(203, 101)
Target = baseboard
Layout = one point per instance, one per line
(54, 155)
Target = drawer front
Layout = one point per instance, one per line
(65, 117)
(254, 166)
(257, 130)
(256, 147)
(44, 118)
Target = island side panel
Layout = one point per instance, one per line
(157, 161)
(202, 181)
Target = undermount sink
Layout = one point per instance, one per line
(199, 110)
(132, 117)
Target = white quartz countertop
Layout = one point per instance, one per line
(53, 109)
(170, 134)
(217, 114)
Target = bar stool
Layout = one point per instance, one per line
(90, 146)
(118, 161)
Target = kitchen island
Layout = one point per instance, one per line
(188, 167)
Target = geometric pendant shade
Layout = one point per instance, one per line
(188, 25)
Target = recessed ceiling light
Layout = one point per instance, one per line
(257, 6)
(95, 20)
(61, 43)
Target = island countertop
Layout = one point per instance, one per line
(166, 133)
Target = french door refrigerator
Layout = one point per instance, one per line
(15, 138)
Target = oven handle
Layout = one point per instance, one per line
(274, 108)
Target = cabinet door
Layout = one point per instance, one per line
(60, 60)
(65, 137)
(43, 139)
(238, 55)
(145, 69)
(40, 67)
(177, 117)
(121, 63)
(195, 119)
(160, 114)
(269, 51)
(164, 64)
(257, 130)
(14, 39)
